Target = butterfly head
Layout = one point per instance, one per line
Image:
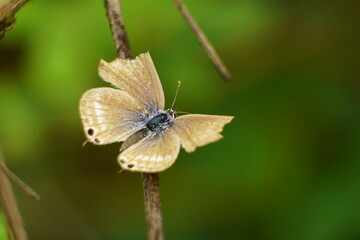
(172, 113)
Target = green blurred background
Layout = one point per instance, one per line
(288, 166)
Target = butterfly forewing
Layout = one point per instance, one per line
(154, 153)
(138, 78)
(109, 115)
(196, 130)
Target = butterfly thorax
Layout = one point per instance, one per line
(160, 122)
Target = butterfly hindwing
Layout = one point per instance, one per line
(154, 153)
(109, 115)
(196, 130)
(137, 77)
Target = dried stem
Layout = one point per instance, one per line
(120, 38)
(152, 206)
(8, 10)
(27, 190)
(150, 181)
(8, 202)
(204, 41)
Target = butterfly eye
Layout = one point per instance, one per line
(90, 131)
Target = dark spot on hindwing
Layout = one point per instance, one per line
(90, 131)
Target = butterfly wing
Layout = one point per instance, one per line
(154, 153)
(109, 115)
(138, 78)
(196, 130)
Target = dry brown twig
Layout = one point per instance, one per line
(120, 38)
(8, 8)
(150, 181)
(24, 187)
(9, 205)
(204, 41)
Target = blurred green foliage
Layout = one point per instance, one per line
(3, 228)
(287, 168)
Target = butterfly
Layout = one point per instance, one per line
(134, 114)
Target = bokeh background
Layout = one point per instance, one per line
(288, 166)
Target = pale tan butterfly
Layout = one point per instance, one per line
(134, 114)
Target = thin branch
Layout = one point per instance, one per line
(120, 38)
(152, 206)
(204, 41)
(26, 189)
(8, 202)
(7, 14)
(150, 181)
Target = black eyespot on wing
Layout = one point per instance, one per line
(96, 140)
(90, 131)
(122, 161)
(130, 165)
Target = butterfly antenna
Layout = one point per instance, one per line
(183, 112)
(176, 93)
